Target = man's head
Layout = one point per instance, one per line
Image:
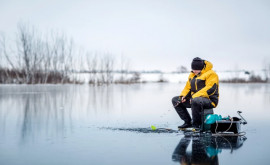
(197, 65)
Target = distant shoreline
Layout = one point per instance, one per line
(101, 78)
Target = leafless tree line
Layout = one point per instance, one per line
(36, 58)
(100, 68)
(103, 67)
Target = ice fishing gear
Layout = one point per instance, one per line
(212, 118)
(229, 127)
(177, 103)
(153, 127)
(160, 130)
(216, 125)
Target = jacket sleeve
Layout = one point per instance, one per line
(186, 91)
(211, 85)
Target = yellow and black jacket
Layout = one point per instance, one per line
(205, 84)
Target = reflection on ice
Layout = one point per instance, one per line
(36, 111)
(205, 150)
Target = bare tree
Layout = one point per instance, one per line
(25, 43)
(109, 66)
(92, 63)
(8, 57)
(267, 72)
(136, 77)
(125, 66)
(46, 63)
(266, 69)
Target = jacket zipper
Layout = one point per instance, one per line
(196, 84)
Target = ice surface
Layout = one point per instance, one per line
(61, 124)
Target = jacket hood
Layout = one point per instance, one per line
(208, 66)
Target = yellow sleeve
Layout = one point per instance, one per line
(187, 88)
(209, 83)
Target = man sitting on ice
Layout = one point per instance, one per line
(200, 92)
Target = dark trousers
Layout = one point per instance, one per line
(197, 106)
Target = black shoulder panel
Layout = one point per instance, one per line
(212, 90)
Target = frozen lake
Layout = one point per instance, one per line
(68, 124)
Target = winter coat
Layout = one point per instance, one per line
(205, 84)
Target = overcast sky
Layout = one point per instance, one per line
(155, 34)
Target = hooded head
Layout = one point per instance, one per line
(197, 64)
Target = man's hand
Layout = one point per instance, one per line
(180, 100)
(183, 99)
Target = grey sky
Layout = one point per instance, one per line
(155, 34)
